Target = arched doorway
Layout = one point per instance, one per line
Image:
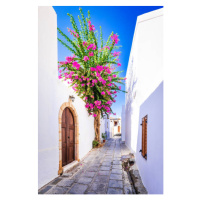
(73, 117)
(68, 137)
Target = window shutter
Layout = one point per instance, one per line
(144, 137)
(143, 125)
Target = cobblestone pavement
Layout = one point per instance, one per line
(100, 172)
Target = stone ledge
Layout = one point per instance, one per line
(70, 166)
(129, 165)
(137, 181)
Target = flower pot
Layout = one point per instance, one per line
(104, 140)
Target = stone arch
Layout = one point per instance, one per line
(76, 123)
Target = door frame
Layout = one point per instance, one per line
(76, 127)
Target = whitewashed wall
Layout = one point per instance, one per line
(144, 73)
(107, 128)
(151, 170)
(52, 94)
(123, 121)
(102, 128)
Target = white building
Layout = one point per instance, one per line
(145, 98)
(56, 110)
(115, 126)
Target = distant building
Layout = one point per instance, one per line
(115, 124)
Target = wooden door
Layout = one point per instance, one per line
(68, 138)
(118, 129)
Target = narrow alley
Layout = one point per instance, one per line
(100, 172)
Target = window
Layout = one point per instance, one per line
(144, 137)
(115, 123)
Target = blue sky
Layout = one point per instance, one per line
(119, 19)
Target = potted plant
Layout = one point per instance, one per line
(95, 143)
(104, 136)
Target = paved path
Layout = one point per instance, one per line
(99, 173)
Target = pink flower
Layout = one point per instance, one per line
(115, 53)
(92, 46)
(91, 27)
(114, 113)
(114, 75)
(91, 106)
(109, 102)
(120, 87)
(94, 115)
(103, 82)
(93, 69)
(94, 81)
(82, 84)
(84, 43)
(109, 78)
(73, 33)
(97, 103)
(114, 38)
(108, 92)
(75, 64)
(80, 79)
(91, 54)
(99, 68)
(103, 93)
(85, 58)
(98, 75)
(119, 64)
(108, 71)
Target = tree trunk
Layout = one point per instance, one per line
(97, 127)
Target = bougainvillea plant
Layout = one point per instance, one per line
(91, 69)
